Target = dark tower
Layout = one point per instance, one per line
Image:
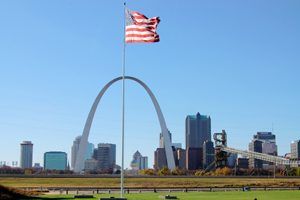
(197, 131)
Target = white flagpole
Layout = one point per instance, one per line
(123, 105)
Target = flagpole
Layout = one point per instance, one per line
(123, 105)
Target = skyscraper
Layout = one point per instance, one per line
(265, 136)
(106, 155)
(197, 130)
(75, 148)
(269, 142)
(55, 160)
(268, 146)
(295, 150)
(144, 162)
(26, 154)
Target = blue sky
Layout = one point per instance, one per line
(237, 61)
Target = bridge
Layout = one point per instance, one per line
(221, 146)
(260, 156)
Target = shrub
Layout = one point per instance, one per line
(179, 172)
(164, 172)
(150, 172)
(199, 173)
(225, 171)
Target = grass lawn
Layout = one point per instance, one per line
(147, 182)
(260, 195)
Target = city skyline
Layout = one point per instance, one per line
(242, 71)
(267, 146)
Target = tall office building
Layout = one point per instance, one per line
(268, 146)
(269, 142)
(139, 162)
(208, 154)
(106, 155)
(26, 154)
(144, 162)
(197, 130)
(75, 148)
(55, 160)
(295, 150)
(265, 137)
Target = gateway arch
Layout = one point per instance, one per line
(79, 163)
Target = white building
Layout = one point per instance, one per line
(75, 148)
(161, 139)
(295, 150)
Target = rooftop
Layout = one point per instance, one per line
(199, 116)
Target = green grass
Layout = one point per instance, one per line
(147, 182)
(260, 195)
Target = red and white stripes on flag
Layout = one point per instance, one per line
(140, 29)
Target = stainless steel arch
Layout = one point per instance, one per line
(79, 163)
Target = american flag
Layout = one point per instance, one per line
(139, 28)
